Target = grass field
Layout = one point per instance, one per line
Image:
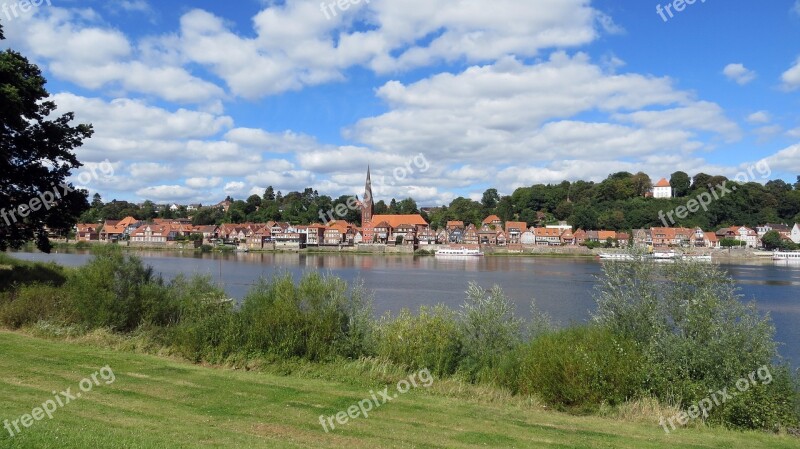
(157, 402)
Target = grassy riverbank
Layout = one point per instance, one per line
(158, 402)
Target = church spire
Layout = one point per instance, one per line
(368, 204)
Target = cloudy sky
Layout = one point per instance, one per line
(195, 100)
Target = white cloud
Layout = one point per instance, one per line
(203, 183)
(168, 193)
(791, 77)
(767, 132)
(295, 45)
(739, 73)
(759, 117)
(77, 46)
(786, 160)
(150, 171)
(234, 188)
(522, 114)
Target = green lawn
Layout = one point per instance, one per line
(160, 403)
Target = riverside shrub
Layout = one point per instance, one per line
(318, 318)
(30, 304)
(430, 339)
(489, 331)
(113, 290)
(696, 334)
(579, 368)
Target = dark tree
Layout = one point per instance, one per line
(680, 183)
(701, 181)
(490, 199)
(36, 157)
(772, 240)
(269, 194)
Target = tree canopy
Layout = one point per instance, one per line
(36, 157)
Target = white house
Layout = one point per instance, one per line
(747, 235)
(796, 233)
(662, 189)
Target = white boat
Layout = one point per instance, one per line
(697, 257)
(665, 255)
(786, 255)
(460, 252)
(616, 256)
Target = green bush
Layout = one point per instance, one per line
(30, 304)
(489, 331)
(768, 406)
(114, 290)
(431, 340)
(696, 333)
(579, 368)
(319, 318)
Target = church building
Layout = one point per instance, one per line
(386, 228)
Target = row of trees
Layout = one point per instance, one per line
(295, 207)
(618, 203)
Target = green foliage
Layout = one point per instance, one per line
(768, 406)
(696, 333)
(731, 243)
(430, 339)
(30, 304)
(680, 183)
(114, 290)
(773, 240)
(579, 368)
(489, 331)
(36, 154)
(319, 318)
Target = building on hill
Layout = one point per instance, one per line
(493, 220)
(387, 228)
(114, 230)
(741, 233)
(662, 189)
(86, 232)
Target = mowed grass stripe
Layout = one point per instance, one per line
(158, 402)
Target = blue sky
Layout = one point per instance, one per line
(193, 101)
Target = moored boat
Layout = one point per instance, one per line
(459, 252)
(616, 256)
(786, 255)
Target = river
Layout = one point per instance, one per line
(562, 287)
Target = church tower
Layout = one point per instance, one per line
(367, 207)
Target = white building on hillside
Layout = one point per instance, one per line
(662, 189)
(796, 233)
